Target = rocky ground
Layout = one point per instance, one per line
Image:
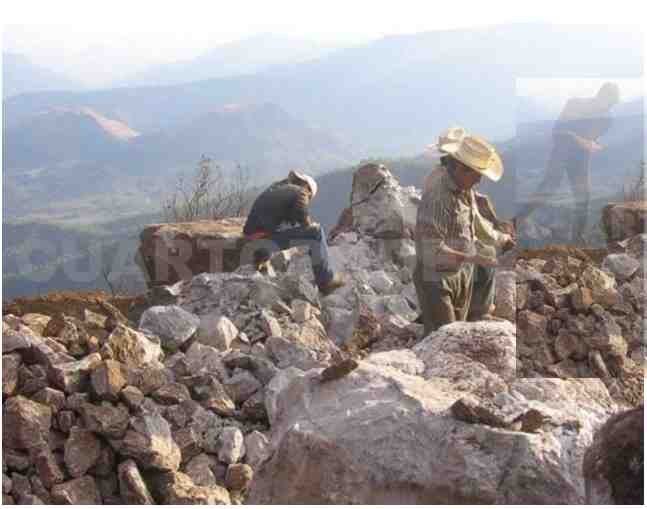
(239, 387)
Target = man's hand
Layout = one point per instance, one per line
(509, 243)
(483, 261)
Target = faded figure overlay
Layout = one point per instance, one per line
(582, 121)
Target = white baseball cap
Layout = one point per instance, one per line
(308, 180)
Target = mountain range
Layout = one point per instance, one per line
(247, 56)
(389, 96)
(20, 75)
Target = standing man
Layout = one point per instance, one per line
(455, 244)
(279, 220)
(575, 135)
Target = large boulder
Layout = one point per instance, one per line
(385, 432)
(624, 220)
(615, 462)
(169, 253)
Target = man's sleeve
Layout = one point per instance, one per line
(487, 233)
(300, 210)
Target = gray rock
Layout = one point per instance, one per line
(199, 470)
(50, 397)
(217, 331)
(73, 376)
(25, 423)
(506, 295)
(82, 451)
(269, 324)
(241, 386)
(151, 443)
(47, 467)
(132, 488)
(257, 448)
(132, 397)
(13, 340)
(622, 266)
(203, 358)
(172, 324)
(10, 365)
(407, 449)
(301, 310)
(81, 491)
(232, 445)
(171, 394)
(289, 353)
(106, 419)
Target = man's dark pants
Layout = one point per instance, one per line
(465, 295)
(313, 237)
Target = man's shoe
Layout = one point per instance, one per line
(263, 267)
(336, 282)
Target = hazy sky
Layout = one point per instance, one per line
(133, 34)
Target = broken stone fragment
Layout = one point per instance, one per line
(269, 324)
(241, 386)
(622, 266)
(188, 440)
(475, 411)
(106, 419)
(254, 408)
(73, 376)
(132, 397)
(132, 488)
(172, 324)
(178, 488)
(50, 397)
(217, 331)
(301, 310)
(81, 491)
(133, 348)
(47, 467)
(151, 444)
(31, 379)
(199, 470)
(10, 366)
(82, 451)
(25, 423)
(581, 299)
(257, 448)
(239, 476)
(171, 394)
(232, 445)
(108, 379)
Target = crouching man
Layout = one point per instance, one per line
(279, 219)
(455, 244)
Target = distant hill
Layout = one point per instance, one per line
(65, 157)
(20, 75)
(247, 56)
(63, 135)
(390, 96)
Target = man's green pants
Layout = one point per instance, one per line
(457, 296)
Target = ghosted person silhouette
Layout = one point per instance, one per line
(575, 134)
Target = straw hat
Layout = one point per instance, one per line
(478, 154)
(448, 139)
(307, 179)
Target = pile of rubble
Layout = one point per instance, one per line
(237, 386)
(579, 318)
(96, 411)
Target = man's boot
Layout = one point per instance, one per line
(336, 282)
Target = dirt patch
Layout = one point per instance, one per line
(552, 251)
(70, 303)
